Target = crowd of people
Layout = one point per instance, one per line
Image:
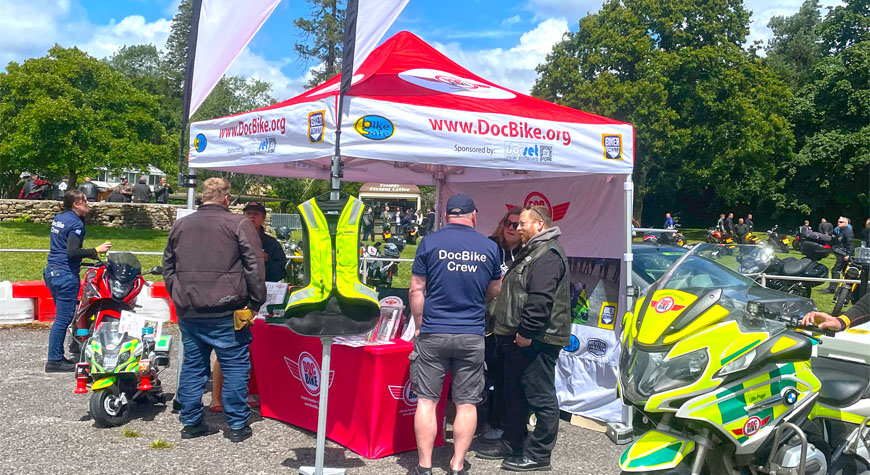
(502, 304)
(36, 188)
(493, 312)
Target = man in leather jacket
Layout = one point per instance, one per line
(532, 324)
(842, 246)
(213, 266)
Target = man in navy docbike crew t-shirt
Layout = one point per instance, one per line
(455, 269)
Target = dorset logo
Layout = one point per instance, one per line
(404, 393)
(453, 84)
(315, 126)
(307, 371)
(573, 344)
(539, 199)
(752, 426)
(199, 143)
(612, 144)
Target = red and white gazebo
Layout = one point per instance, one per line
(414, 116)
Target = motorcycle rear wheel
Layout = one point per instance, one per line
(107, 410)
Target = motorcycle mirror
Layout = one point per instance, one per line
(156, 270)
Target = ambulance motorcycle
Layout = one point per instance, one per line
(722, 378)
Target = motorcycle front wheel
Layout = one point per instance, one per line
(840, 298)
(108, 410)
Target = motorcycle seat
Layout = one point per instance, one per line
(843, 382)
(795, 266)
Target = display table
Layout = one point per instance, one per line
(371, 405)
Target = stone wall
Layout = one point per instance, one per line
(115, 215)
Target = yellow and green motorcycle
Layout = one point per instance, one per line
(723, 380)
(121, 368)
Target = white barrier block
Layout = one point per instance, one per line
(14, 311)
(152, 307)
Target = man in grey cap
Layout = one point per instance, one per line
(455, 269)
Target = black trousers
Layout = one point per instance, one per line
(530, 386)
(493, 409)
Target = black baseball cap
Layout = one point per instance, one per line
(460, 204)
(256, 207)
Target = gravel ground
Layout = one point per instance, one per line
(45, 428)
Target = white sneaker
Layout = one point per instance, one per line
(493, 434)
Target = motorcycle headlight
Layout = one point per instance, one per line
(660, 375)
(119, 289)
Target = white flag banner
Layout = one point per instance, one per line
(365, 25)
(225, 28)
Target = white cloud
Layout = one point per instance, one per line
(132, 30)
(513, 68)
(511, 21)
(252, 65)
(29, 28)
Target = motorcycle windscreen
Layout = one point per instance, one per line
(124, 266)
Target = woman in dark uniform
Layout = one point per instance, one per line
(61, 274)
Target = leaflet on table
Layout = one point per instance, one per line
(275, 293)
(135, 324)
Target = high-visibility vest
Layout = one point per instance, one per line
(332, 258)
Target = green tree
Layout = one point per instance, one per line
(710, 119)
(68, 113)
(831, 170)
(795, 47)
(324, 37)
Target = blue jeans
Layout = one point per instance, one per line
(200, 336)
(368, 232)
(64, 288)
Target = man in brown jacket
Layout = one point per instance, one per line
(213, 266)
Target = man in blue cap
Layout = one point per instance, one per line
(455, 269)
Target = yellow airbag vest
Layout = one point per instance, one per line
(333, 261)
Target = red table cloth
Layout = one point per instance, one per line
(371, 404)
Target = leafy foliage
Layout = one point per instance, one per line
(710, 119)
(324, 37)
(68, 113)
(795, 48)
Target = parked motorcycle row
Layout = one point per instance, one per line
(722, 378)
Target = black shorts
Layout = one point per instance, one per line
(437, 353)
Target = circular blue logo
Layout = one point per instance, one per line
(199, 143)
(573, 345)
(374, 127)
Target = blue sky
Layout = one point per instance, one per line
(500, 40)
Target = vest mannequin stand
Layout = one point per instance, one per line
(334, 302)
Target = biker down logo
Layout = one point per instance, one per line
(307, 371)
(539, 199)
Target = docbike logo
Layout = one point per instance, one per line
(454, 84)
(666, 304)
(752, 426)
(404, 393)
(537, 198)
(306, 370)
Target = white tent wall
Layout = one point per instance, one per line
(583, 206)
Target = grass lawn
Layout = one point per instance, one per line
(28, 266)
(16, 266)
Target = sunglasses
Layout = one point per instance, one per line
(512, 225)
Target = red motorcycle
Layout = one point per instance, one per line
(108, 289)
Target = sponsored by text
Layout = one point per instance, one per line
(511, 130)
